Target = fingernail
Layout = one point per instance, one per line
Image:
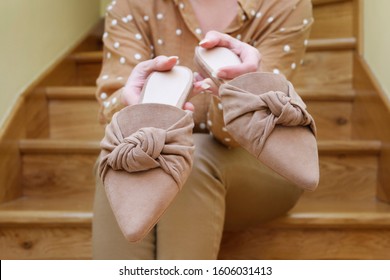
(204, 41)
(222, 74)
(174, 56)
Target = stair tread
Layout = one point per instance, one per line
(70, 209)
(322, 2)
(82, 146)
(328, 213)
(77, 210)
(313, 45)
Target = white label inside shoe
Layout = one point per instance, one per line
(167, 87)
(219, 57)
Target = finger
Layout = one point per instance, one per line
(215, 38)
(140, 73)
(189, 106)
(204, 86)
(159, 63)
(250, 64)
(198, 77)
(164, 63)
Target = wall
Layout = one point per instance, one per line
(33, 35)
(377, 40)
(103, 5)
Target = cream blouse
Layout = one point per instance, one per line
(137, 30)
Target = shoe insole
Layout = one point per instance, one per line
(168, 87)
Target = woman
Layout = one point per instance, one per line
(228, 188)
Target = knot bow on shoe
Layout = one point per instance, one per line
(264, 111)
(149, 148)
(138, 152)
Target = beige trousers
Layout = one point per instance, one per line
(228, 189)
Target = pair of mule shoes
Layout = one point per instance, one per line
(147, 151)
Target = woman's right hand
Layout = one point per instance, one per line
(250, 57)
(132, 91)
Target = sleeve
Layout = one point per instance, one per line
(283, 49)
(282, 45)
(126, 42)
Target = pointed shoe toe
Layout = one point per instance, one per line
(267, 117)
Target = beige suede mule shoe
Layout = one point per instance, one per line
(147, 153)
(264, 114)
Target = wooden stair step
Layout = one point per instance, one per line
(308, 213)
(326, 213)
(31, 228)
(329, 44)
(73, 112)
(70, 92)
(324, 2)
(44, 217)
(63, 167)
(321, 67)
(325, 69)
(87, 57)
(54, 146)
(333, 19)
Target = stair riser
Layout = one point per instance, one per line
(334, 20)
(75, 119)
(45, 243)
(58, 175)
(296, 244)
(322, 69)
(350, 177)
(346, 177)
(78, 119)
(319, 68)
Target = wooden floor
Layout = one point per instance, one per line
(47, 183)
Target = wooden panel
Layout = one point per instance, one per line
(75, 119)
(45, 243)
(333, 119)
(58, 175)
(273, 244)
(301, 244)
(333, 20)
(87, 73)
(10, 160)
(323, 2)
(344, 175)
(37, 125)
(372, 117)
(325, 69)
(330, 68)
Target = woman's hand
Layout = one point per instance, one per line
(249, 56)
(132, 91)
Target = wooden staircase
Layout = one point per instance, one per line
(49, 147)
